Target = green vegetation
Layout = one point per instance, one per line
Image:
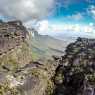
(16, 58)
(50, 87)
(35, 56)
(59, 79)
(4, 88)
(46, 46)
(91, 79)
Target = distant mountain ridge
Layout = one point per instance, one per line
(45, 45)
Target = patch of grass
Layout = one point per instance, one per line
(4, 88)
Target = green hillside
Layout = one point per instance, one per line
(44, 46)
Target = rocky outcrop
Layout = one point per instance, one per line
(12, 34)
(19, 74)
(76, 73)
(32, 78)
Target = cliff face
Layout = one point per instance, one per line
(14, 54)
(76, 73)
(12, 34)
(19, 75)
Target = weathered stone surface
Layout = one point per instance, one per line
(77, 68)
(12, 34)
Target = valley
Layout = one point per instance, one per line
(46, 46)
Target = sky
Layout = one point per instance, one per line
(71, 17)
(52, 16)
(76, 11)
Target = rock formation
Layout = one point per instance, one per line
(19, 75)
(12, 34)
(76, 73)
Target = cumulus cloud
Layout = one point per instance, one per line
(44, 27)
(25, 9)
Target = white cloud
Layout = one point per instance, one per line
(64, 3)
(46, 27)
(30, 23)
(73, 28)
(25, 9)
(76, 17)
(91, 11)
(43, 26)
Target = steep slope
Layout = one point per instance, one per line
(19, 74)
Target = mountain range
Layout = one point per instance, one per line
(44, 46)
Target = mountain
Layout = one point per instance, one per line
(72, 73)
(76, 73)
(46, 46)
(19, 74)
(73, 35)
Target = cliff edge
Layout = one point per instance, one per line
(19, 75)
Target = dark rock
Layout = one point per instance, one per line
(80, 69)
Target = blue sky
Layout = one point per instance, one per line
(66, 8)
